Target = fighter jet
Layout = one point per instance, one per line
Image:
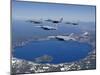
(47, 27)
(55, 21)
(74, 23)
(35, 21)
(65, 38)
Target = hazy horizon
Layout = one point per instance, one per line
(35, 10)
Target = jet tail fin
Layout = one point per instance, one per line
(61, 19)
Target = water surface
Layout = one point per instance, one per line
(61, 51)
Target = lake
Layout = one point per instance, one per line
(61, 51)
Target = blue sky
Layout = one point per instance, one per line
(33, 10)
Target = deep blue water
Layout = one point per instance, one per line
(60, 51)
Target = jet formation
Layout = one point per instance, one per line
(47, 27)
